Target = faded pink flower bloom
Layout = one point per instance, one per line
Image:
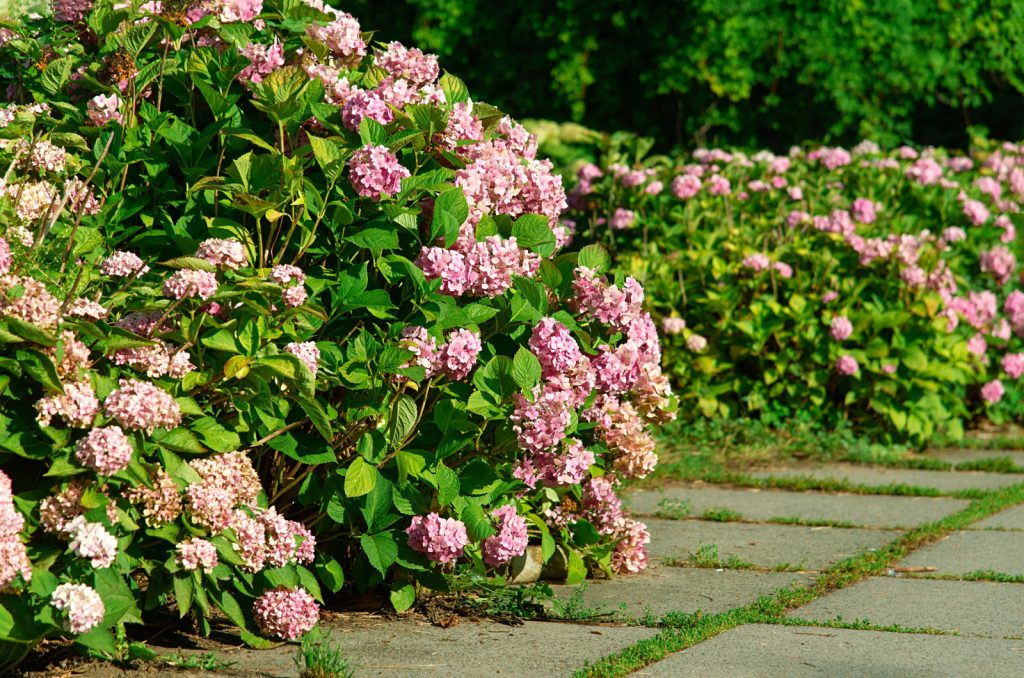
(142, 406)
(993, 392)
(305, 351)
(103, 108)
(195, 553)
(439, 539)
(104, 450)
(1013, 364)
(673, 325)
(847, 365)
(375, 171)
(92, 541)
(187, 283)
(511, 539)
(83, 605)
(286, 613)
(225, 253)
(841, 328)
(458, 357)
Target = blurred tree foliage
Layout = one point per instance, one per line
(747, 72)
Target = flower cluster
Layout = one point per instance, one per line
(442, 540)
(13, 555)
(286, 613)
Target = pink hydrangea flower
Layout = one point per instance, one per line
(123, 264)
(510, 541)
(92, 541)
(263, 60)
(841, 328)
(977, 344)
(953, 234)
(286, 613)
(305, 351)
(375, 171)
(284, 274)
(993, 391)
(719, 185)
(83, 605)
(673, 325)
(458, 356)
(1000, 263)
(363, 103)
(342, 37)
(441, 540)
(976, 212)
(630, 555)
(1013, 364)
(541, 424)
(685, 186)
(141, 406)
(225, 253)
(103, 108)
(104, 450)
(239, 10)
(195, 553)
(187, 283)
(847, 365)
(696, 343)
(554, 346)
(783, 269)
(622, 219)
(13, 554)
(413, 65)
(757, 262)
(32, 303)
(864, 211)
(77, 406)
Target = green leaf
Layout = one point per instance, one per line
(99, 640)
(915, 359)
(118, 602)
(447, 485)
(317, 415)
(533, 232)
(305, 448)
(40, 368)
(377, 504)
(184, 587)
(403, 420)
(410, 464)
(331, 574)
(191, 263)
(377, 239)
(215, 435)
(360, 478)
(595, 257)
(455, 90)
(526, 370)
(577, 569)
(403, 596)
(372, 133)
(29, 332)
(56, 74)
(381, 550)
(478, 524)
(450, 211)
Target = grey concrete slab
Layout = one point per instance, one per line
(756, 504)
(812, 652)
(1010, 519)
(970, 608)
(482, 649)
(963, 552)
(763, 545)
(662, 590)
(960, 456)
(377, 646)
(944, 481)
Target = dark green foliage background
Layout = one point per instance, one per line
(747, 72)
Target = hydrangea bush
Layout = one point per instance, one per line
(878, 287)
(282, 313)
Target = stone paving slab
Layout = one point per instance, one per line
(1010, 519)
(963, 552)
(483, 649)
(662, 590)
(813, 652)
(955, 456)
(767, 546)
(944, 481)
(755, 504)
(970, 608)
(405, 647)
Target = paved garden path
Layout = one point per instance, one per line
(909, 573)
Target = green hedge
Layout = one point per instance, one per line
(748, 72)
